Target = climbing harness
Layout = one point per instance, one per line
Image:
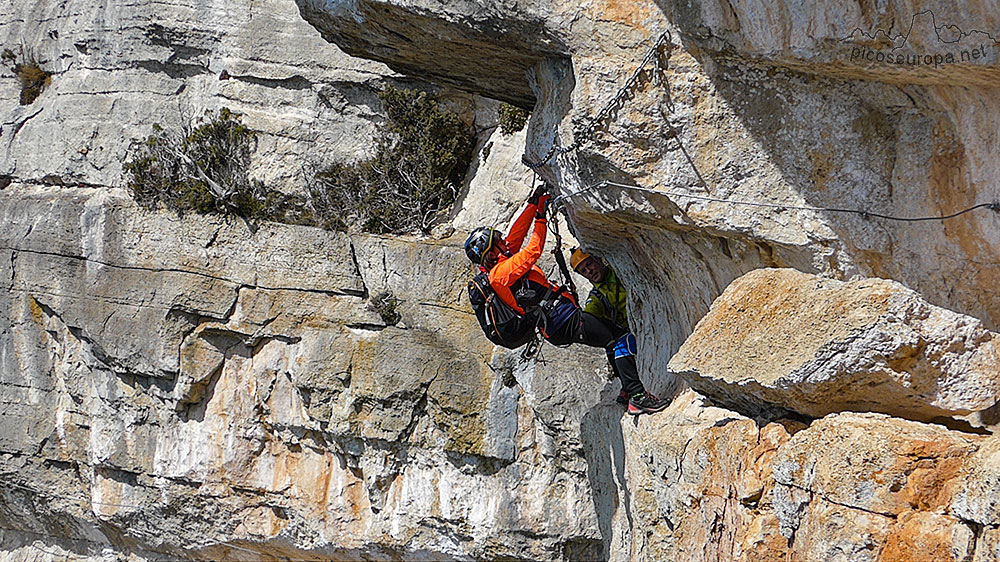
(655, 54)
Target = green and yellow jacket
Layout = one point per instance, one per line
(607, 300)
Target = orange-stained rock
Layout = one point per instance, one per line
(849, 487)
(703, 487)
(921, 536)
(876, 463)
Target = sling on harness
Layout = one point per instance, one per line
(560, 259)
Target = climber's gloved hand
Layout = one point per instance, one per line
(537, 193)
(540, 206)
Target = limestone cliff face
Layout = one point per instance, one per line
(119, 67)
(234, 395)
(763, 135)
(181, 387)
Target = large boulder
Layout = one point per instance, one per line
(779, 338)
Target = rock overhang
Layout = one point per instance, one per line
(486, 49)
(902, 43)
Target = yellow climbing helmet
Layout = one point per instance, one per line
(577, 257)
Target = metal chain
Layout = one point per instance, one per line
(654, 53)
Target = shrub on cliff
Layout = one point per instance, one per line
(386, 305)
(30, 76)
(202, 169)
(511, 119)
(419, 163)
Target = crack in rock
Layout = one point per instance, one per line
(19, 126)
(13, 275)
(177, 71)
(329, 292)
(357, 267)
(296, 82)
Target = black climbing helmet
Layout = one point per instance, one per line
(478, 244)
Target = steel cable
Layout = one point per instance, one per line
(994, 206)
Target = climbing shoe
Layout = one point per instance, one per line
(622, 398)
(645, 404)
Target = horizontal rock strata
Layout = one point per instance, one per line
(118, 67)
(175, 386)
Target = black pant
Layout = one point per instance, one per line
(590, 330)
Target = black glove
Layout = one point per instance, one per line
(538, 192)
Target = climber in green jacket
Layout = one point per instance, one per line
(607, 301)
(608, 298)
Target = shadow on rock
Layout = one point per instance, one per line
(604, 448)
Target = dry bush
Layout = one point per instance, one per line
(202, 168)
(29, 74)
(418, 166)
(385, 304)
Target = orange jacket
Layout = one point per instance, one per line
(522, 262)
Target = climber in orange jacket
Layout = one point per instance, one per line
(513, 268)
(521, 285)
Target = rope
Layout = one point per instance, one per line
(994, 206)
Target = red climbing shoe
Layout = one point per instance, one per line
(646, 404)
